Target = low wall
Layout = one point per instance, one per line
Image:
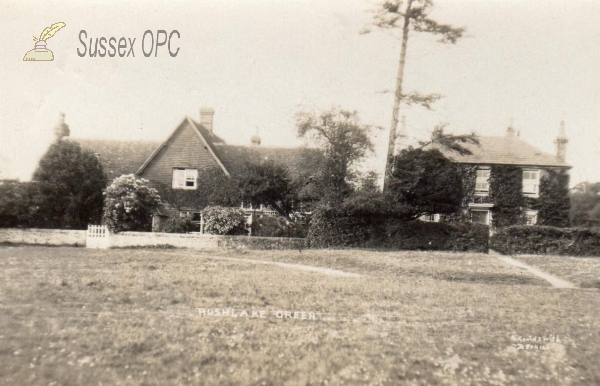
(202, 241)
(145, 239)
(43, 236)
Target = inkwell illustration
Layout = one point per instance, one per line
(40, 52)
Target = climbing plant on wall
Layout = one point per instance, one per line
(553, 204)
(506, 193)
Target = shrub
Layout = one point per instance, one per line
(277, 226)
(334, 228)
(129, 204)
(179, 225)
(15, 203)
(547, 240)
(220, 220)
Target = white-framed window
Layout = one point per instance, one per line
(531, 217)
(531, 182)
(185, 178)
(480, 216)
(482, 182)
(194, 216)
(430, 217)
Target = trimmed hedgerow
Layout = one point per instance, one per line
(331, 228)
(278, 226)
(546, 240)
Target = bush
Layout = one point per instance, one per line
(333, 228)
(546, 240)
(220, 220)
(179, 225)
(129, 204)
(277, 226)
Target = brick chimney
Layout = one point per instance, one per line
(206, 118)
(61, 129)
(561, 142)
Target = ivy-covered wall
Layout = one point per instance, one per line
(506, 193)
(554, 204)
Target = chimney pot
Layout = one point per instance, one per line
(61, 129)
(510, 131)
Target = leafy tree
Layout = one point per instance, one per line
(409, 15)
(15, 203)
(426, 181)
(344, 142)
(585, 204)
(129, 204)
(266, 183)
(68, 186)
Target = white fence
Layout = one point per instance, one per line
(97, 237)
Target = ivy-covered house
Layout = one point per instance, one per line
(508, 182)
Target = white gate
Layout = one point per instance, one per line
(97, 237)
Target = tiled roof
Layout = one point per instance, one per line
(504, 151)
(234, 157)
(119, 157)
(208, 135)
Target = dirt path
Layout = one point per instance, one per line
(555, 281)
(301, 267)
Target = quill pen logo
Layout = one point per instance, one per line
(40, 52)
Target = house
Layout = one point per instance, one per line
(493, 153)
(191, 147)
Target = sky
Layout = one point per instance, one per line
(259, 62)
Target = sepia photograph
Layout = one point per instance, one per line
(299, 192)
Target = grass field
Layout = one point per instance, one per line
(72, 316)
(581, 271)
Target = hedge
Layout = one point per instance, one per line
(546, 240)
(277, 226)
(329, 229)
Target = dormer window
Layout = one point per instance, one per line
(185, 178)
(531, 182)
(482, 182)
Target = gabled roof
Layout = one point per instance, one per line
(132, 157)
(504, 151)
(119, 157)
(205, 136)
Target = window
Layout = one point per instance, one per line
(531, 217)
(531, 182)
(194, 216)
(482, 184)
(480, 216)
(430, 217)
(185, 178)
